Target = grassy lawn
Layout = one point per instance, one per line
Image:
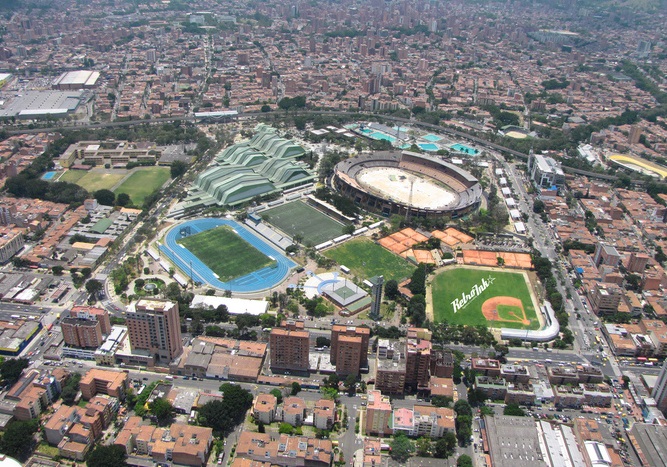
(452, 283)
(143, 182)
(47, 450)
(225, 253)
(367, 259)
(91, 180)
(297, 218)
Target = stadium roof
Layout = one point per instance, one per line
(235, 306)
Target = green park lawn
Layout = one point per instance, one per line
(366, 259)
(91, 180)
(143, 182)
(225, 253)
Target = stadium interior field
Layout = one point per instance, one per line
(298, 218)
(483, 296)
(262, 278)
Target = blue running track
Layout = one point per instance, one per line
(256, 281)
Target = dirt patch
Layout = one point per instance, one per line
(490, 309)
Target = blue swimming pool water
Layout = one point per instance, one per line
(431, 138)
(382, 136)
(366, 131)
(464, 149)
(428, 146)
(400, 128)
(49, 175)
(262, 279)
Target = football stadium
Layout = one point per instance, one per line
(408, 184)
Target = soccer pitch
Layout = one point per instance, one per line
(92, 181)
(497, 299)
(143, 182)
(225, 253)
(297, 218)
(367, 259)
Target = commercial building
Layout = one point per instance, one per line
(513, 441)
(375, 283)
(289, 347)
(154, 328)
(11, 242)
(605, 298)
(84, 333)
(74, 80)
(545, 172)
(649, 443)
(659, 392)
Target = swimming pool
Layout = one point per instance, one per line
(49, 175)
(400, 128)
(428, 147)
(431, 138)
(381, 136)
(458, 147)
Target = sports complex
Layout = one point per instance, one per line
(226, 255)
(485, 296)
(408, 184)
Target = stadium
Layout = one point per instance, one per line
(407, 183)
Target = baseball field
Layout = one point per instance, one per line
(483, 296)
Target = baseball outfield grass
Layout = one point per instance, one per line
(471, 296)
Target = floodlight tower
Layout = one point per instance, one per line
(412, 185)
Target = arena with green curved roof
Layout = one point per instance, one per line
(263, 165)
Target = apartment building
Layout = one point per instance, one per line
(111, 382)
(379, 414)
(324, 414)
(93, 313)
(264, 408)
(349, 349)
(154, 329)
(82, 333)
(289, 347)
(286, 451)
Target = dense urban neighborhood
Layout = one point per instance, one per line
(309, 234)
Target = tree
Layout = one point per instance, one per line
(246, 320)
(105, 197)
(178, 168)
(423, 447)
(123, 199)
(11, 369)
(418, 281)
(266, 108)
(514, 409)
(107, 456)
(278, 395)
(70, 389)
(442, 401)
(57, 270)
(401, 448)
(296, 388)
(322, 341)
(464, 460)
(162, 409)
(93, 287)
(391, 289)
(18, 439)
(285, 429)
(445, 446)
(224, 415)
(351, 384)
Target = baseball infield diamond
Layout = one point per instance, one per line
(484, 296)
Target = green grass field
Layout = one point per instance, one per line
(143, 182)
(91, 180)
(367, 259)
(450, 284)
(225, 253)
(297, 218)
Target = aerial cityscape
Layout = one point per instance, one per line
(316, 233)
